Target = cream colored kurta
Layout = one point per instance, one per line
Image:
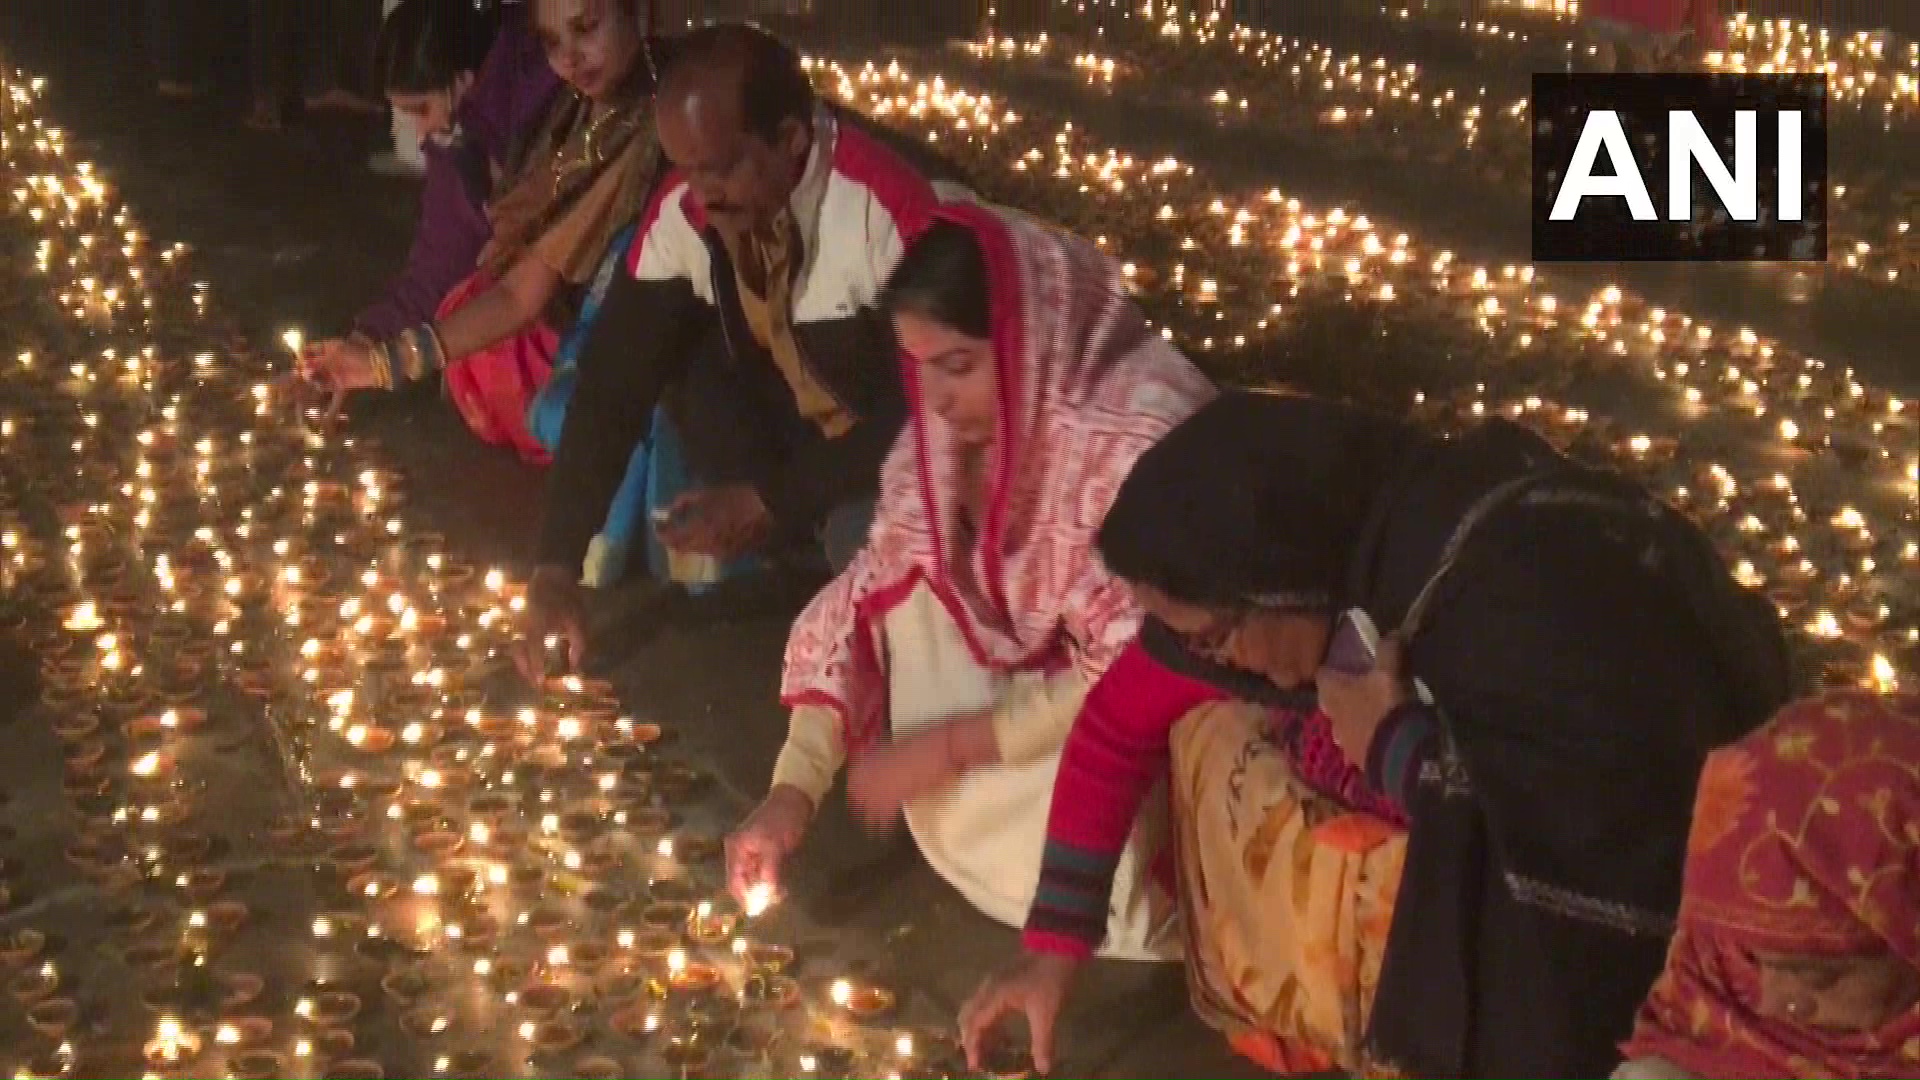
(985, 834)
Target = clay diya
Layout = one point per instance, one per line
(152, 957)
(428, 1021)
(490, 809)
(649, 822)
(421, 814)
(86, 753)
(687, 1054)
(588, 957)
(257, 1065)
(542, 998)
(372, 886)
(770, 991)
(73, 727)
(694, 977)
(654, 943)
(202, 885)
(172, 1049)
(695, 849)
(1004, 1060)
(355, 1069)
(227, 916)
(128, 921)
(865, 1003)
(334, 1007)
(421, 734)
(667, 915)
(405, 987)
(54, 1017)
(769, 959)
(245, 1030)
(526, 877)
(552, 1036)
(21, 946)
(496, 726)
(438, 843)
(31, 987)
(711, 926)
(598, 1067)
(241, 989)
(475, 933)
(638, 1023)
(369, 739)
(547, 923)
(621, 988)
(335, 1042)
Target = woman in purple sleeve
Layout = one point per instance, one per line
(476, 84)
(526, 227)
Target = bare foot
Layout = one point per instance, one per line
(265, 117)
(340, 100)
(177, 90)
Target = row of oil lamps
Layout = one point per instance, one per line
(1246, 75)
(190, 565)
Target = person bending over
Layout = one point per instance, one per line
(1528, 659)
(750, 295)
(950, 658)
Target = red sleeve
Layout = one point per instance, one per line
(1117, 748)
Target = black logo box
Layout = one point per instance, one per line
(1604, 231)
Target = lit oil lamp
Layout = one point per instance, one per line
(864, 1002)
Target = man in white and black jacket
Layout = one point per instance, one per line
(749, 306)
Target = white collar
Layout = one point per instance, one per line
(811, 191)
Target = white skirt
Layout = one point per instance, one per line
(985, 834)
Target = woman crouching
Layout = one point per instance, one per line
(1528, 660)
(950, 658)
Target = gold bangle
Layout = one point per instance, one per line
(382, 366)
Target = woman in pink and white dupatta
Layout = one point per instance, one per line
(950, 659)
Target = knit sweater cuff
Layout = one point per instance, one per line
(1070, 904)
(1407, 739)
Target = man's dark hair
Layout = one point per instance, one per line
(774, 86)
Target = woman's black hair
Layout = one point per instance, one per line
(943, 277)
(425, 44)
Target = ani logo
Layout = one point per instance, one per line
(1679, 168)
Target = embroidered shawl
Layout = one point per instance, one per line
(1804, 841)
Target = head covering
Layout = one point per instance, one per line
(1256, 500)
(1804, 841)
(1084, 388)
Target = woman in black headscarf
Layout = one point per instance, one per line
(1557, 650)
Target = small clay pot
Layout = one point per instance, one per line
(54, 1017)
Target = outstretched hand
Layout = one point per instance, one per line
(338, 366)
(1036, 987)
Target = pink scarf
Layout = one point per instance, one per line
(1804, 842)
(1085, 388)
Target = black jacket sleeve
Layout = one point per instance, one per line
(824, 473)
(638, 345)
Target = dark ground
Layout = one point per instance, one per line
(290, 230)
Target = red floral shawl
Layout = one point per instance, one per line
(1806, 839)
(1085, 387)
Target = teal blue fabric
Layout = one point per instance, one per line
(657, 473)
